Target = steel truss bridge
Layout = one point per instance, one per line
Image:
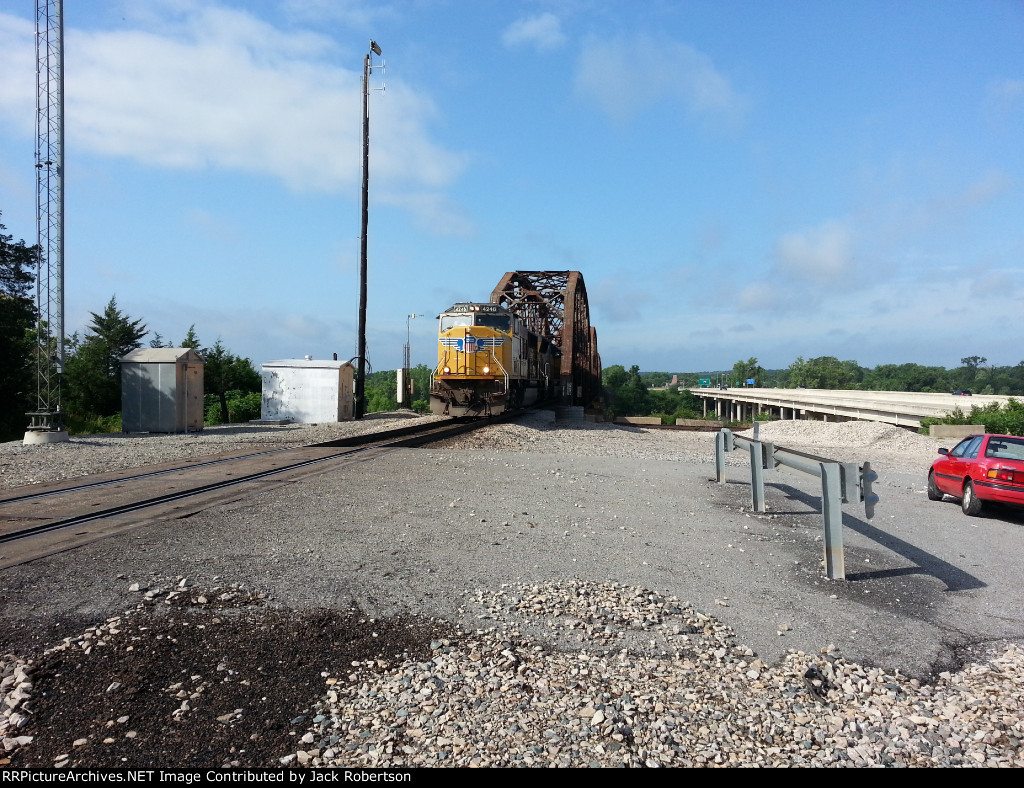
(554, 305)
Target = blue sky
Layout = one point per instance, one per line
(733, 179)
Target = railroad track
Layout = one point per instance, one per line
(74, 513)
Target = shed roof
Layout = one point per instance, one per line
(307, 363)
(161, 355)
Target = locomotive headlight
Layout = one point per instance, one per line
(487, 370)
(447, 370)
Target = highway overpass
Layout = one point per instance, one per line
(903, 408)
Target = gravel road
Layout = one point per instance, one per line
(527, 595)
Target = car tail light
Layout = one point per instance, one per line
(1001, 474)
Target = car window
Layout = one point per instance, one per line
(1005, 448)
(972, 448)
(961, 447)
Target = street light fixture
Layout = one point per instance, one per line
(360, 393)
(408, 341)
(405, 393)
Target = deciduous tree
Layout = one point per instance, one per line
(224, 372)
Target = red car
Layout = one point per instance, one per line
(978, 469)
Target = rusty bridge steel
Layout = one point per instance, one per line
(554, 305)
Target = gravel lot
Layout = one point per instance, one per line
(527, 595)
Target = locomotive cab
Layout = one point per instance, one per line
(488, 362)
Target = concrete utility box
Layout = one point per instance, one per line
(162, 390)
(307, 391)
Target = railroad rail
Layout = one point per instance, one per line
(71, 514)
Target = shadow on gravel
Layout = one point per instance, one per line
(924, 562)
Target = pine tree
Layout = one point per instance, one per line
(93, 371)
(17, 347)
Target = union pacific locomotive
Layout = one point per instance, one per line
(488, 362)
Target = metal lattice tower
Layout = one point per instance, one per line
(47, 416)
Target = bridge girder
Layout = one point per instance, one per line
(554, 305)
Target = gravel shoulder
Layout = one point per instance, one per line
(528, 595)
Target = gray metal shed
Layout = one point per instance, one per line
(162, 390)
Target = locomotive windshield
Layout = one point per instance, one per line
(451, 321)
(486, 315)
(500, 322)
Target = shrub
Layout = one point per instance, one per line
(1000, 419)
(241, 407)
(92, 424)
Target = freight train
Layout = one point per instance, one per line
(488, 362)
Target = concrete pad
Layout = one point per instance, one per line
(34, 437)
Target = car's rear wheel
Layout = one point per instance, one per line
(934, 493)
(971, 503)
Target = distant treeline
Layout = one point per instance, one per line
(828, 372)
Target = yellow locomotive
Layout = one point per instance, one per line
(488, 362)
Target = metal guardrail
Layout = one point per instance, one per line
(841, 482)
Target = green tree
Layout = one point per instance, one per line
(627, 392)
(906, 377)
(421, 388)
(17, 329)
(381, 391)
(656, 379)
(742, 371)
(93, 370)
(825, 372)
(225, 374)
(191, 340)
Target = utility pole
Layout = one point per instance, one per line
(360, 393)
(46, 421)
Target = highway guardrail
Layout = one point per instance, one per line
(841, 482)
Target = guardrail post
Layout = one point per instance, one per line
(866, 493)
(720, 457)
(757, 476)
(832, 518)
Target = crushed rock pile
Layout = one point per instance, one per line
(493, 699)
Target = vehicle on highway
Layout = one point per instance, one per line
(962, 393)
(980, 469)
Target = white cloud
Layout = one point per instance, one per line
(821, 254)
(432, 211)
(762, 296)
(542, 32)
(1005, 95)
(943, 210)
(18, 67)
(615, 300)
(218, 88)
(358, 13)
(624, 75)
